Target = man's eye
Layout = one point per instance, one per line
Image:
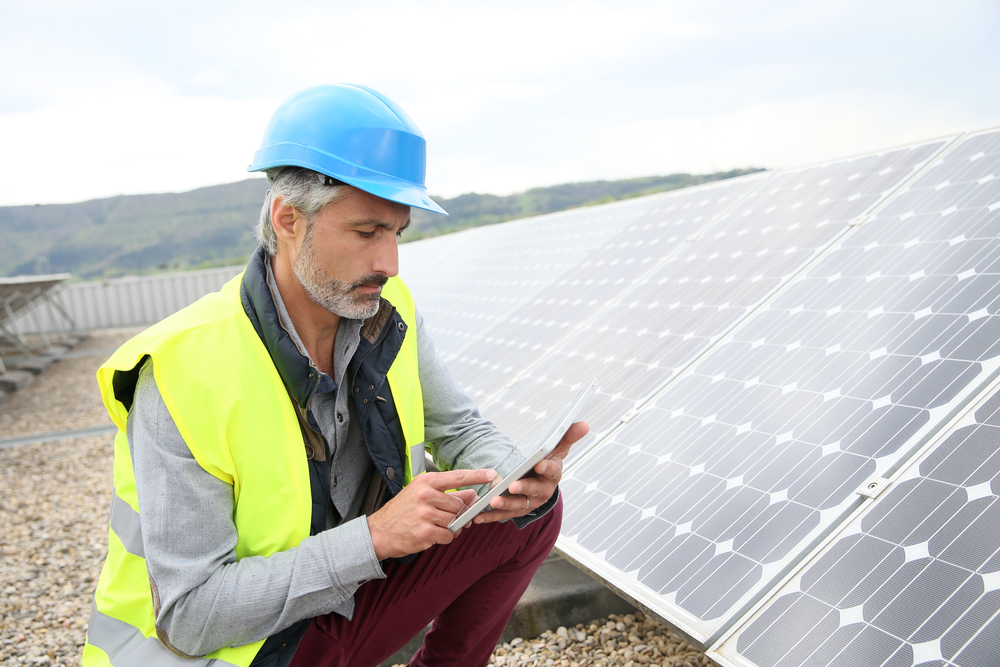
(366, 235)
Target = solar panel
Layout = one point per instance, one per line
(914, 580)
(699, 293)
(743, 461)
(23, 296)
(474, 278)
(586, 288)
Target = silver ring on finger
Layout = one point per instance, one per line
(526, 503)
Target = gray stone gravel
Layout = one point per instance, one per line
(53, 540)
(63, 397)
(632, 640)
(54, 524)
(53, 511)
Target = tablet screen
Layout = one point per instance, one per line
(532, 449)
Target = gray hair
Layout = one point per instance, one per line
(306, 190)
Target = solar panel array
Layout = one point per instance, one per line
(588, 287)
(702, 290)
(933, 251)
(915, 580)
(470, 280)
(767, 347)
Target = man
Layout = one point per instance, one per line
(270, 504)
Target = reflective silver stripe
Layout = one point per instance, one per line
(417, 459)
(127, 647)
(125, 524)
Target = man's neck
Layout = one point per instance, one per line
(316, 326)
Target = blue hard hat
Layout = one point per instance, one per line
(353, 134)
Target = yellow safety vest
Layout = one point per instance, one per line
(230, 405)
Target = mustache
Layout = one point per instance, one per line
(374, 280)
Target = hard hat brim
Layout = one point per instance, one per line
(381, 185)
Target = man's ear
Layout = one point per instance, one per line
(286, 220)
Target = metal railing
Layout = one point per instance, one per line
(128, 302)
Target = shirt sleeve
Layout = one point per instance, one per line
(208, 599)
(459, 436)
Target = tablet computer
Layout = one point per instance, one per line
(535, 447)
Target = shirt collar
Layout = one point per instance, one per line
(265, 308)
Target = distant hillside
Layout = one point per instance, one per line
(213, 226)
(132, 234)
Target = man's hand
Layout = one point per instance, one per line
(531, 491)
(418, 517)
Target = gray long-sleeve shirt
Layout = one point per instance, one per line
(208, 598)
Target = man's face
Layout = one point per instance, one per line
(349, 252)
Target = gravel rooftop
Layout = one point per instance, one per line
(53, 538)
(53, 511)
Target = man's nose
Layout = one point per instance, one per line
(387, 256)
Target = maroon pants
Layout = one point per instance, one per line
(468, 588)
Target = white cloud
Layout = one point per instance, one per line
(130, 142)
(158, 96)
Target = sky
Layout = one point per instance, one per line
(106, 97)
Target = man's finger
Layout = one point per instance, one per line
(442, 519)
(466, 495)
(511, 503)
(497, 515)
(452, 503)
(466, 498)
(452, 479)
(576, 431)
(550, 469)
(533, 487)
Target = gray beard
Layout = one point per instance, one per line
(336, 296)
